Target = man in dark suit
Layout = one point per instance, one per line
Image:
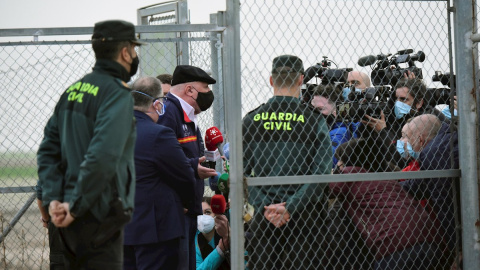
(165, 184)
(189, 96)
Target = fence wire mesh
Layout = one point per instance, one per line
(34, 75)
(325, 226)
(374, 97)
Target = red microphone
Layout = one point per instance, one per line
(218, 204)
(213, 138)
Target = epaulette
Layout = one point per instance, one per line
(256, 108)
(122, 83)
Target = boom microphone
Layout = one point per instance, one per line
(367, 60)
(218, 204)
(371, 59)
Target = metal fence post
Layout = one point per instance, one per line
(466, 62)
(234, 125)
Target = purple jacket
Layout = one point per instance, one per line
(388, 219)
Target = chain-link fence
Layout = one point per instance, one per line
(34, 74)
(376, 72)
(351, 220)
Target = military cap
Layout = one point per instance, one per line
(115, 30)
(287, 64)
(186, 73)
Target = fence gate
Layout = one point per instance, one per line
(36, 65)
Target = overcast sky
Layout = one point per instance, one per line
(75, 13)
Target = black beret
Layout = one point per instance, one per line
(115, 30)
(287, 64)
(186, 73)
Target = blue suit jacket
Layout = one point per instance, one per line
(191, 141)
(165, 182)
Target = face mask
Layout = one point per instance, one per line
(401, 109)
(345, 93)
(409, 153)
(446, 112)
(205, 223)
(134, 66)
(358, 90)
(204, 100)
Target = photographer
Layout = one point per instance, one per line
(359, 80)
(324, 100)
(409, 102)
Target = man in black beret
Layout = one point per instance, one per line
(85, 161)
(189, 95)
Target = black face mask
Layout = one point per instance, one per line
(204, 100)
(134, 66)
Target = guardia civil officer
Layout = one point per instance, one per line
(284, 137)
(85, 161)
(189, 96)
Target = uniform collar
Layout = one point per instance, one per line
(288, 99)
(188, 110)
(113, 68)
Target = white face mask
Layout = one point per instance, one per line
(205, 223)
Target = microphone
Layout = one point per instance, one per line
(371, 59)
(213, 138)
(226, 150)
(218, 204)
(213, 183)
(222, 184)
(367, 60)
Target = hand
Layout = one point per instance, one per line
(60, 213)
(455, 102)
(223, 244)
(409, 75)
(374, 123)
(204, 172)
(277, 214)
(45, 221)
(221, 226)
(56, 211)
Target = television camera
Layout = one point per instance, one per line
(322, 71)
(442, 95)
(386, 68)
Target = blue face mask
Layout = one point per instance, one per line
(401, 109)
(347, 90)
(345, 93)
(409, 153)
(446, 112)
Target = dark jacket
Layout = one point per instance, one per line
(437, 155)
(190, 140)
(88, 143)
(285, 138)
(393, 132)
(341, 132)
(388, 219)
(164, 180)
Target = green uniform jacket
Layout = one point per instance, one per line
(89, 142)
(286, 138)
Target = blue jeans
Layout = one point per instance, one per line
(422, 256)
